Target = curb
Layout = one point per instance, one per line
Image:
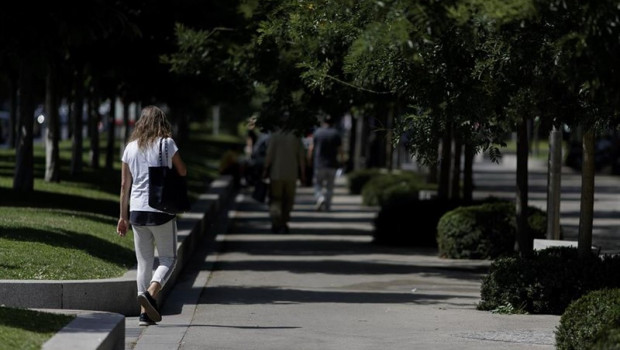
(89, 330)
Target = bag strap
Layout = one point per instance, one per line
(161, 162)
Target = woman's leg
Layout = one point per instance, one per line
(165, 237)
(143, 242)
(166, 242)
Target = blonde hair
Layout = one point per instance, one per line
(151, 125)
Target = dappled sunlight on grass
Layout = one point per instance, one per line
(29, 329)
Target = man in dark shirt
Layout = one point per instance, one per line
(326, 152)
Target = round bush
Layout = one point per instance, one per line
(484, 231)
(609, 339)
(379, 189)
(358, 178)
(592, 319)
(476, 232)
(537, 220)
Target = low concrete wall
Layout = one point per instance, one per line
(207, 217)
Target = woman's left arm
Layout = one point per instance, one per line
(179, 164)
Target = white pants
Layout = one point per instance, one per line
(145, 239)
(324, 185)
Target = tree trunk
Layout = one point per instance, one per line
(389, 149)
(554, 187)
(110, 146)
(525, 243)
(215, 114)
(126, 131)
(455, 191)
(358, 157)
(52, 135)
(93, 118)
(586, 216)
(23, 180)
(443, 186)
(433, 170)
(468, 174)
(70, 114)
(78, 137)
(13, 119)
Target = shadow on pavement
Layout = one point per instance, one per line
(344, 267)
(273, 295)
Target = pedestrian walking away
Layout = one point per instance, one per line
(284, 164)
(326, 155)
(152, 228)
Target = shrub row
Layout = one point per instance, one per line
(479, 230)
(547, 281)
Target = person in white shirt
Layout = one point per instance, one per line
(151, 227)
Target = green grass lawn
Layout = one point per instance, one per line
(28, 329)
(67, 230)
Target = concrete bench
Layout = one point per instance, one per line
(540, 244)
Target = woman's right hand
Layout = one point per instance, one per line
(122, 227)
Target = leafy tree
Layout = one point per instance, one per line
(587, 49)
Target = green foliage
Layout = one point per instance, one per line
(547, 281)
(591, 322)
(537, 222)
(28, 329)
(507, 309)
(381, 188)
(467, 65)
(608, 339)
(484, 231)
(358, 178)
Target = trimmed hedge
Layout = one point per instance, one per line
(591, 322)
(547, 281)
(484, 231)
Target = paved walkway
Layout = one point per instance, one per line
(325, 286)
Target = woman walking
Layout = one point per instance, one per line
(152, 228)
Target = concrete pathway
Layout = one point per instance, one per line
(325, 286)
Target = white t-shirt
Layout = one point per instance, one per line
(139, 162)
